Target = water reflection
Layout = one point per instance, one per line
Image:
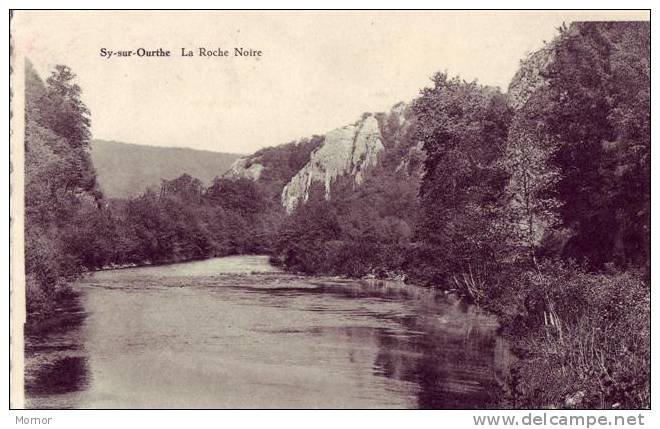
(449, 372)
(194, 338)
(62, 375)
(56, 362)
(442, 348)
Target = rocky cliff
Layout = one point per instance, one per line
(528, 150)
(348, 150)
(244, 168)
(530, 77)
(290, 171)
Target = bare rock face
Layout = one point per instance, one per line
(241, 170)
(524, 146)
(366, 147)
(530, 77)
(348, 150)
(398, 110)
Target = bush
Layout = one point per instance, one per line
(586, 341)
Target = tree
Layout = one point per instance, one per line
(66, 114)
(185, 188)
(241, 195)
(301, 240)
(60, 184)
(598, 111)
(463, 127)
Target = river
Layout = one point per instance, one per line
(236, 332)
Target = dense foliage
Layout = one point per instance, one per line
(597, 108)
(182, 221)
(534, 204)
(59, 180)
(281, 163)
(70, 228)
(363, 229)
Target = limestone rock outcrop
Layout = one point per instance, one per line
(530, 77)
(241, 170)
(348, 150)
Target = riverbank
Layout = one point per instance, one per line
(582, 338)
(171, 261)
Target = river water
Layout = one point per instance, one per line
(235, 332)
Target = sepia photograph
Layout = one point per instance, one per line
(299, 209)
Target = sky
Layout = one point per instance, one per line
(318, 70)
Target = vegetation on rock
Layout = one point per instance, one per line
(534, 204)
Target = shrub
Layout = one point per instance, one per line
(586, 341)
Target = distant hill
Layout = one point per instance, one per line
(126, 170)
